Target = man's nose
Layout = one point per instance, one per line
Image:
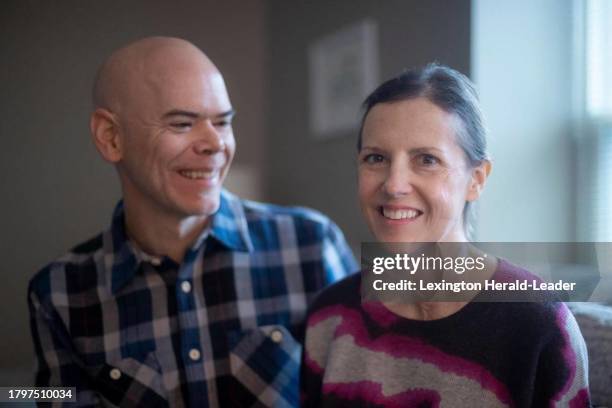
(399, 180)
(209, 139)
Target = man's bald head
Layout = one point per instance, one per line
(119, 78)
(163, 117)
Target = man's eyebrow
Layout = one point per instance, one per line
(180, 112)
(230, 112)
(195, 115)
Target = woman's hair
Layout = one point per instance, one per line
(452, 92)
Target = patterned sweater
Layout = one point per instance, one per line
(485, 355)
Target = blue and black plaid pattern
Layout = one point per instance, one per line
(224, 328)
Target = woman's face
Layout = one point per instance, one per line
(414, 179)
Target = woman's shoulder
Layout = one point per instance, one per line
(540, 310)
(508, 272)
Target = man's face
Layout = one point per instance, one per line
(177, 142)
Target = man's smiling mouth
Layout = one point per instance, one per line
(199, 174)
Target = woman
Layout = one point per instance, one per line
(422, 163)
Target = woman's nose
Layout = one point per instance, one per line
(399, 181)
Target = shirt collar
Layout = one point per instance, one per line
(229, 224)
(229, 227)
(119, 255)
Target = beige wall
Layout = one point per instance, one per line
(57, 192)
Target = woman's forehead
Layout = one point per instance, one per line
(408, 122)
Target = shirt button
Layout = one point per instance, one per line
(276, 336)
(194, 354)
(115, 374)
(186, 286)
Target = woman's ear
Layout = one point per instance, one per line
(105, 133)
(479, 177)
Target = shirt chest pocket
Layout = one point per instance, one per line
(266, 361)
(131, 382)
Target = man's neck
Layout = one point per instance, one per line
(161, 234)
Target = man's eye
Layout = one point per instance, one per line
(181, 125)
(373, 158)
(223, 123)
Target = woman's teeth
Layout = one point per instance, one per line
(400, 214)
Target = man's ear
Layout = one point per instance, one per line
(480, 174)
(105, 133)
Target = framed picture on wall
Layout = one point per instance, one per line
(343, 68)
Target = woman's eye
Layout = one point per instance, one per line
(373, 158)
(428, 160)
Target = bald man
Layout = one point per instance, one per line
(192, 296)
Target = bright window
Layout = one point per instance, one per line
(597, 145)
(599, 58)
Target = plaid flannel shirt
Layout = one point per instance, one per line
(223, 328)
